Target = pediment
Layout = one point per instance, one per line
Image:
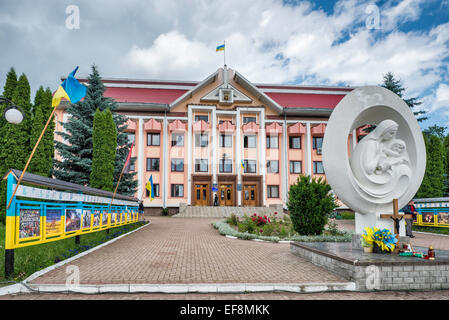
(216, 95)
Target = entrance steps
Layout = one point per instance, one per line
(223, 212)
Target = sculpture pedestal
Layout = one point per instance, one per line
(373, 220)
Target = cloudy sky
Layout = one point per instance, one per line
(344, 42)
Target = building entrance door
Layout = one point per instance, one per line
(250, 195)
(226, 195)
(201, 194)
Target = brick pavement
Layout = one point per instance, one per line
(382, 295)
(421, 239)
(190, 251)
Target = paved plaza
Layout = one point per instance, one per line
(190, 251)
(186, 251)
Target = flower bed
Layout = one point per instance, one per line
(275, 230)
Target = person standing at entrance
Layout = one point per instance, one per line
(409, 209)
(141, 210)
(215, 200)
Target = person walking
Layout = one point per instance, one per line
(409, 209)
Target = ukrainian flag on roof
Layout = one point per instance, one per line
(70, 89)
(220, 48)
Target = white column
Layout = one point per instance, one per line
(262, 153)
(165, 162)
(214, 149)
(141, 155)
(284, 155)
(189, 155)
(238, 159)
(308, 149)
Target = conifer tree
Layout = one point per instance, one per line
(104, 147)
(42, 161)
(77, 153)
(15, 138)
(395, 85)
(432, 185)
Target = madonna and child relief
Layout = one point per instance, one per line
(380, 164)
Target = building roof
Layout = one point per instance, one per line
(166, 94)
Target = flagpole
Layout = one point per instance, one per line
(224, 52)
(31, 156)
(116, 187)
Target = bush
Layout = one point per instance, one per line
(232, 220)
(310, 203)
(165, 212)
(347, 215)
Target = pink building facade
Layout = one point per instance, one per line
(223, 137)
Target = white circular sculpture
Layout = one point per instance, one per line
(387, 164)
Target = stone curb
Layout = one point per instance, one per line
(189, 288)
(24, 287)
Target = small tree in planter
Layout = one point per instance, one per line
(310, 203)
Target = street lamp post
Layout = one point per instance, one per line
(13, 114)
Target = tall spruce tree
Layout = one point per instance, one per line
(395, 85)
(77, 153)
(432, 185)
(104, 147)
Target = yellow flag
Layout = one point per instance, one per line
(59, 94)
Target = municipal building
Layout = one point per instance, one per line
(244, 142)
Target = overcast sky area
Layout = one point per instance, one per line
(268, 41)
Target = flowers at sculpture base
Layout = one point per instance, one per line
(384, 238)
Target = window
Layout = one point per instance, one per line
(156, 191)
(295, 166)
(250, 166)
(131, 137)
(201, 140)
(177, 165)
(249, 119)
(132, 165)
(295, 142)
(225, 165)
(153, 139)
(272, 142)
(177, 190)
(177, 139)
(152, 164)
(226, 141)
(273, 191)
(249, 141)
(318, 167)
(273, 166)
(200, 165)
(317, 142)
(199, 118)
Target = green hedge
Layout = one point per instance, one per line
(226, 229)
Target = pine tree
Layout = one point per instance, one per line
(432, 185)
(395, 85)
(77, 154)
(446, 165)
(104, 147)
(15, 138)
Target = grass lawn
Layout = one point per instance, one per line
(30, 259)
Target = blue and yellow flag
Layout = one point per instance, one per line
(150, 187)
(243, 164)
(70, 89)
(220, 48)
